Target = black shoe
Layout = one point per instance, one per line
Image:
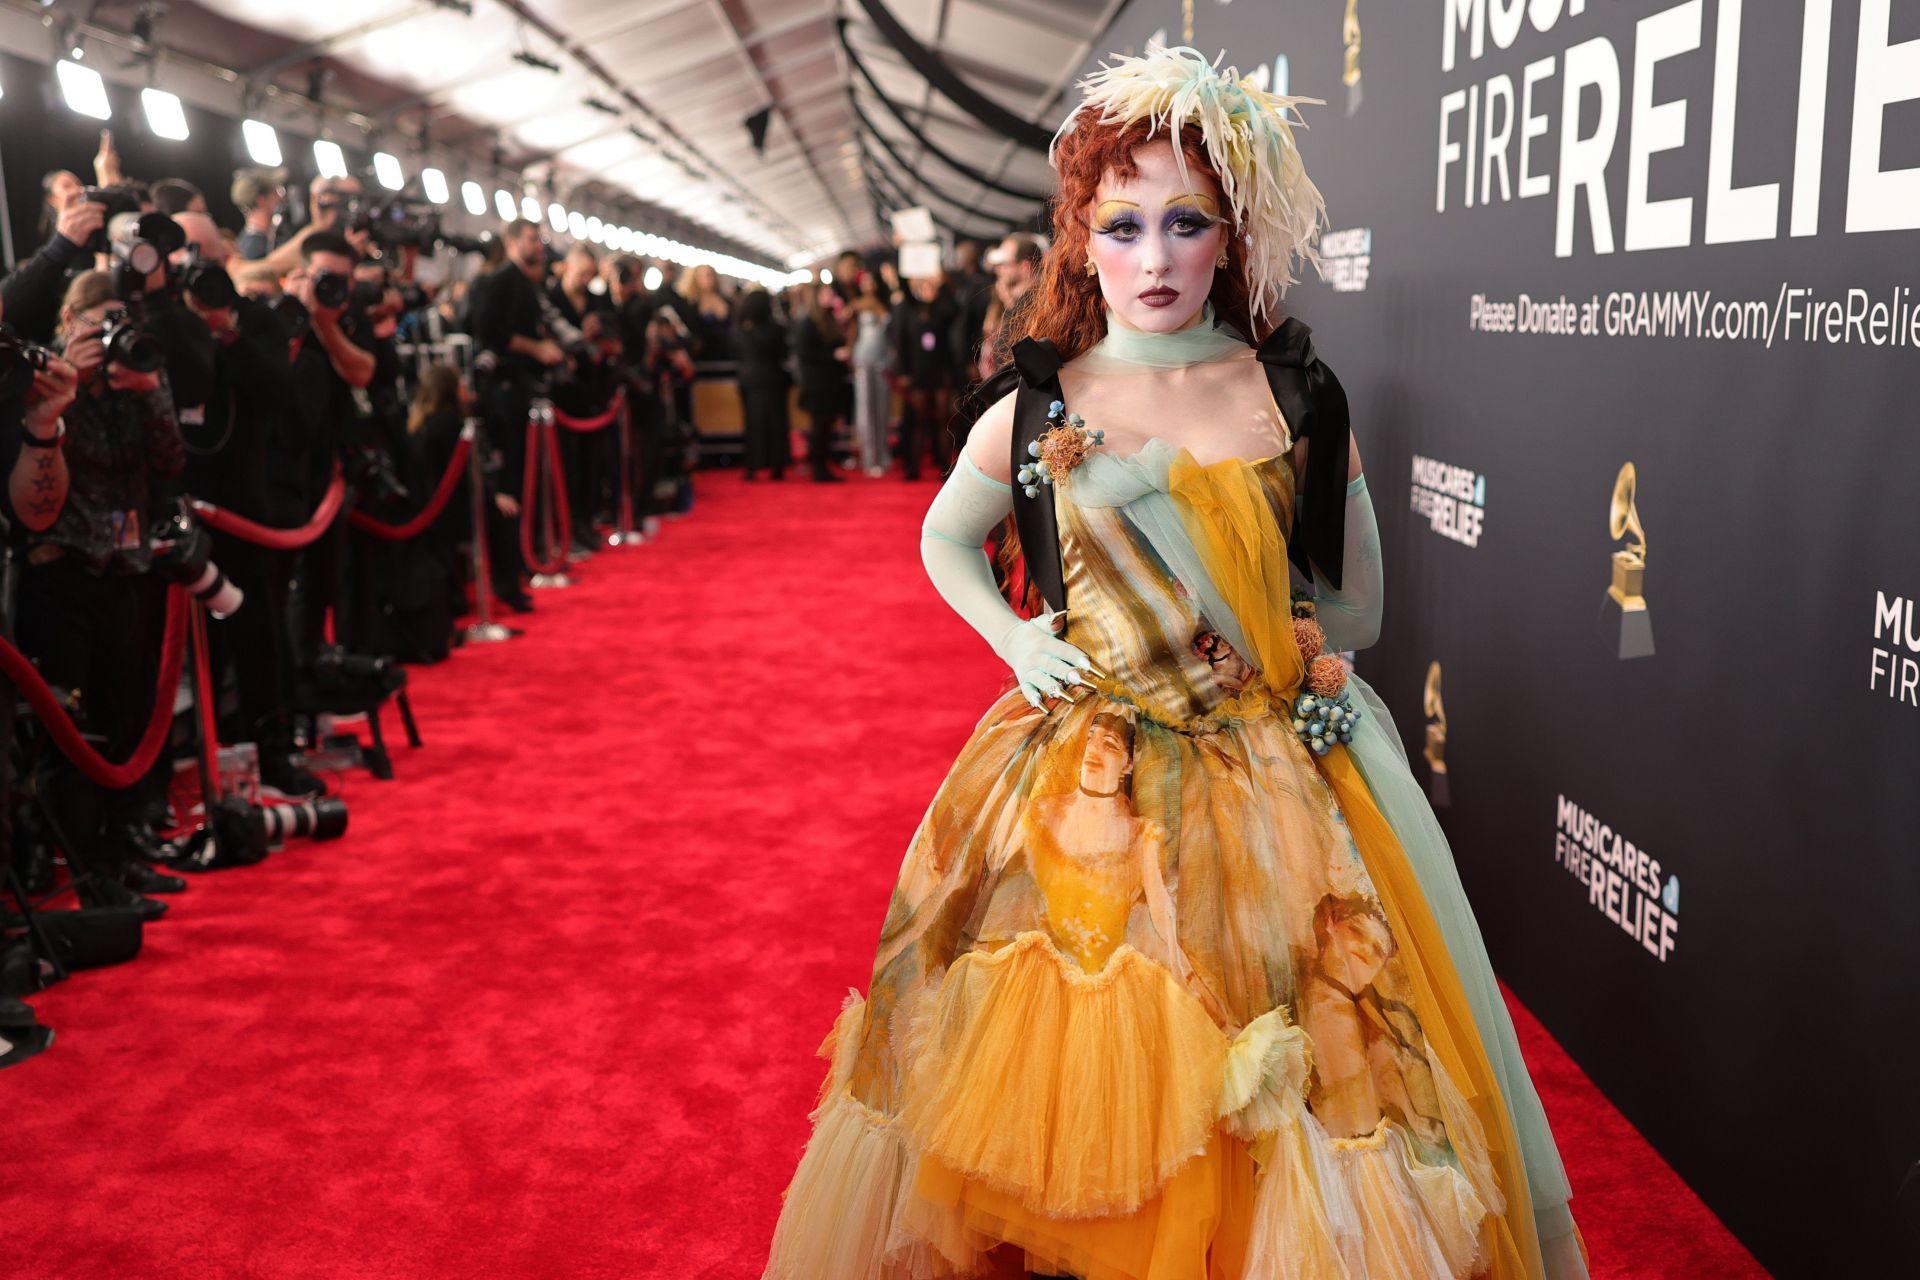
(101, 892)
(752, 474)
(290, 777)
(142, 878)
(779, 473)
(828, 477)
(518, 601)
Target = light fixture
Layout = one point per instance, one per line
(534, 60)
(826, 276)
(556, 217)
(387, 169)
(596, 231)
(652, 279)
(331, 160)
(475, 197)
(84, 90)
(263, 144)
(577, 225)
(530, 208)
(503, 204)
(165, 116)
(434, 183)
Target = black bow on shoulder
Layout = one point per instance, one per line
(1314, 404)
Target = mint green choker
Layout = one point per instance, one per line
(1138, 349)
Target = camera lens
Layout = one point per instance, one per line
(330, 288)
(132, 347)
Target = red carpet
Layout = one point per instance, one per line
(549, 1008)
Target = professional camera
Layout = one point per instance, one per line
(129, 345)
(400, 221)
(118, 200)
(294, 314)
(322, 818)
(332, 288)
(334, 666)
(141, 244)
(183, 553)
(208, 283)
(19, 361)
(370, 470)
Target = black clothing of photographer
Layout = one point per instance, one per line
(89, 610)
(817, 340)
(518, 353)
(330, 365)
(31, 294)
(760, 350)
(586, 389)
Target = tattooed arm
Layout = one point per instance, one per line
(37, 485)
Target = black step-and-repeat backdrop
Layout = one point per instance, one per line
(1626, 294)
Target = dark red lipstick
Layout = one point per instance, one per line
(1160, 296)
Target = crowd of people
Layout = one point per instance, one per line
(221, 410)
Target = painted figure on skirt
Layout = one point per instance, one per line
(1177, 981)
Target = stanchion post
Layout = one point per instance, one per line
(543, 457)
(624, 534)
(484, 629)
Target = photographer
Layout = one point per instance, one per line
(587, 389)
(227, 465)
(31, 295)
(329, 366)
(332, 204)
(518, 358)
(88, 606)
(258, 194)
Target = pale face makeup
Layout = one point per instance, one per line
(1155, 238)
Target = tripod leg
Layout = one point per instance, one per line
(406, 718)
(41, 943)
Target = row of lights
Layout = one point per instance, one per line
(86, 93)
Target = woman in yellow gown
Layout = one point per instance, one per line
(1174, 984)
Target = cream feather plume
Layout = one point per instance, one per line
(1277, 210)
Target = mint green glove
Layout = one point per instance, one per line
(952, 547)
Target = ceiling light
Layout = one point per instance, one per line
(577, 225)
(557, 217)
(84, 90)
(526, 58)
(165, 116)
(503, 204)
(330, 158)
(434, 183)
(530, 208)
(600, 104)
(653, 278)
(387, 169)
(263, 144)
(475, 197)
(596, 230)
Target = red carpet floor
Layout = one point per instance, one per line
(549, 1008)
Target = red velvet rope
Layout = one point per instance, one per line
(15, 666)
(556, 515)
(278, 539)
(431, 512)
(596, 422)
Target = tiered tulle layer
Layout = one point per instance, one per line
(1102, 1125)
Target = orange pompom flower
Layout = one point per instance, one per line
(1327, 676)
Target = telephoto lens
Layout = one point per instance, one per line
(324, 818)
(331, 289)
(183, 553)
(208, 283)
(130, 346)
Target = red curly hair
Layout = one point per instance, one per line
(1065, 307)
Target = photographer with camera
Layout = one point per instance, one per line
(88, 605)
(31, 294)
(332, 205)
(519, 357)
(331, 370)
(587, 389)
(227, 444)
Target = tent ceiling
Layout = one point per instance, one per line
(684, 76)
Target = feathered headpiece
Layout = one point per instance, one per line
(1249, 138)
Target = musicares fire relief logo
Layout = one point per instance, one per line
(1629, 625)
(1453, 499)
(1623, 881)
(1346, 259)
(1896, 621)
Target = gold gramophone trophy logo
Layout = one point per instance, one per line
(1436, 749)
(1350, 35)
(1624, 600)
